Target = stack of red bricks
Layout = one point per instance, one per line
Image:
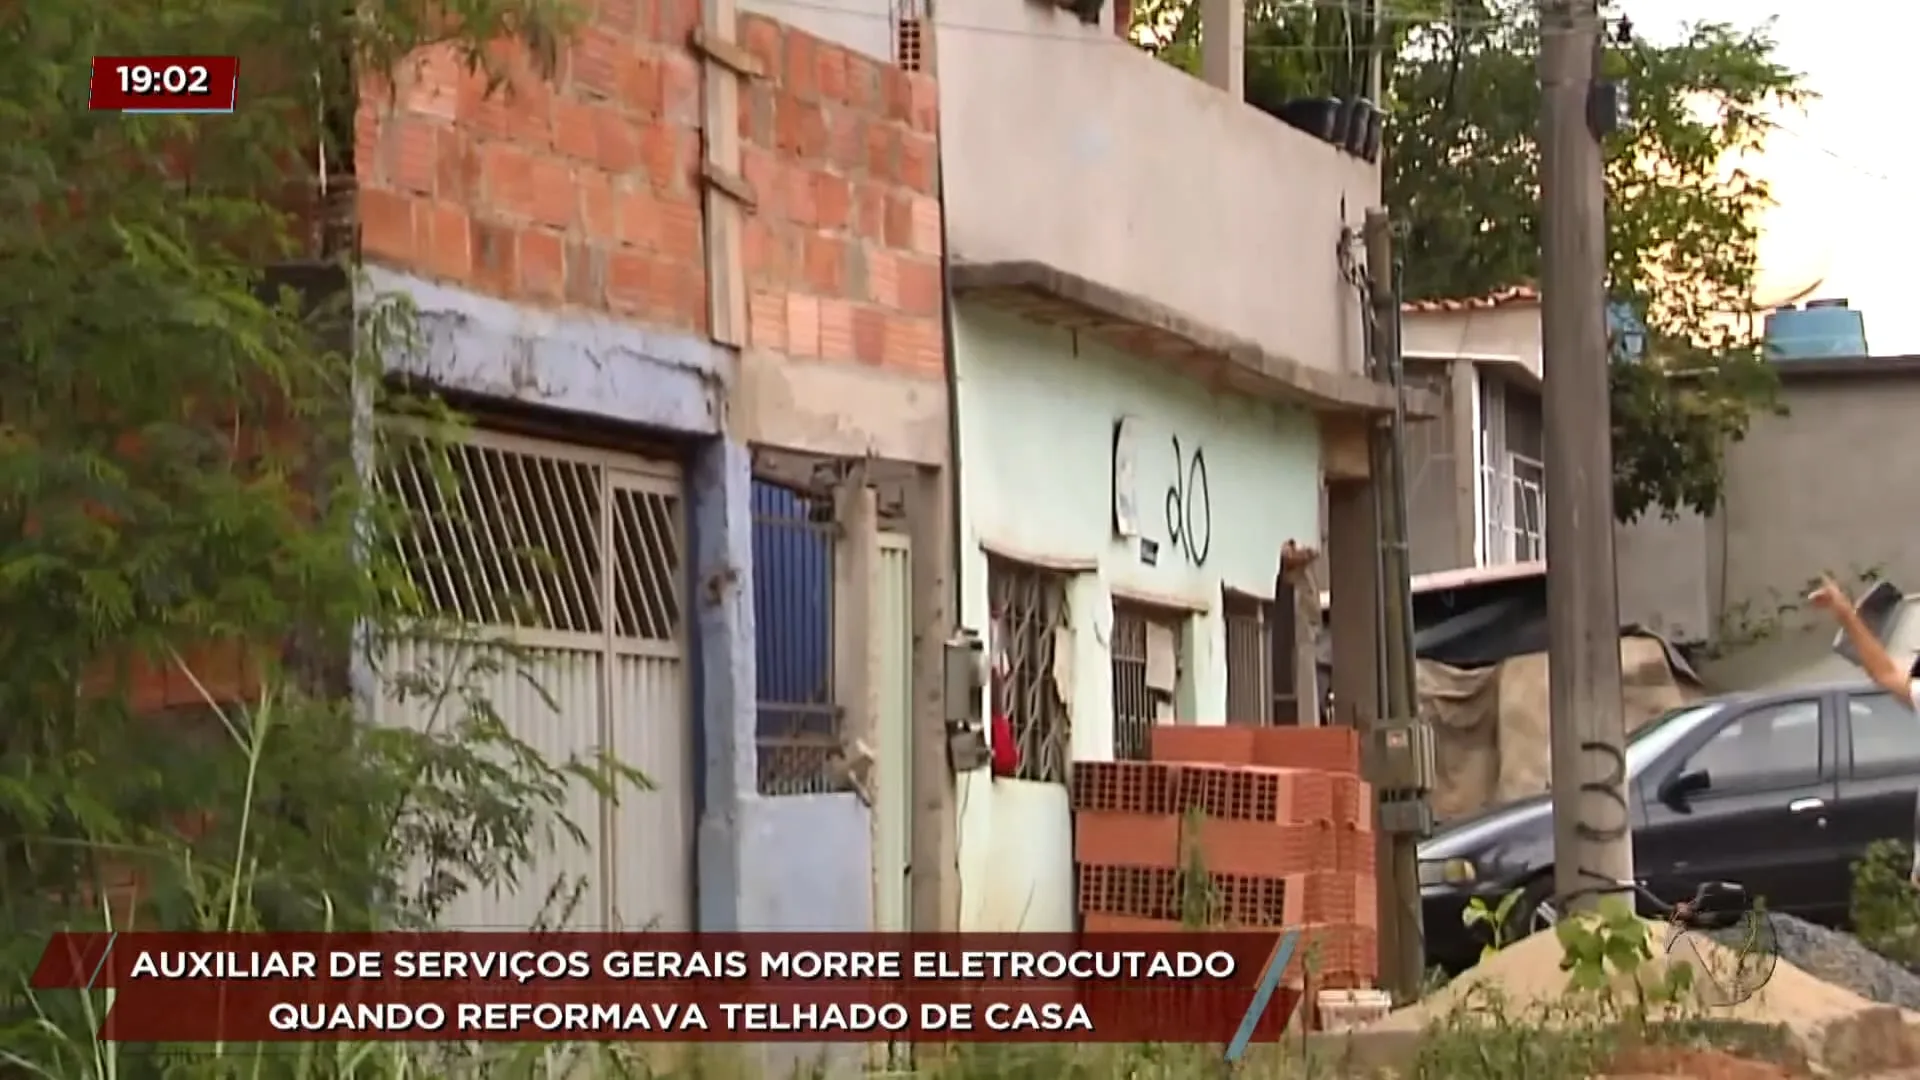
(1235, 827)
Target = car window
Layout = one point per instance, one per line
(1886, 733)
(1662, 734)
(1769, 746)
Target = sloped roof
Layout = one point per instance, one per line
(1510, 296)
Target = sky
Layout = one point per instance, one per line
(1846, 171)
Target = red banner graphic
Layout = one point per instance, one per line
(164, 84)
(1197, 987)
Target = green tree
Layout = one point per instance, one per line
(1462, 175)
(176, 483)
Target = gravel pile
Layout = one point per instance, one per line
(1838, 958)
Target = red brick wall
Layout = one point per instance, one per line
(584, 191)
(843, 255)
(579, 191)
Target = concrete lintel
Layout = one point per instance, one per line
(1148, 328)
(564, 360)
(840, 409)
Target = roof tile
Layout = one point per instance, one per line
(1513, 295)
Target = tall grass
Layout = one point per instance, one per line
(53, 1035)
(459, 773)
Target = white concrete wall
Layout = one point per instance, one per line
(1037, 412)
(1508, 334)
(1064, 145)
(865, 26)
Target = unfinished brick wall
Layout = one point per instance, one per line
(585, 191)
(843, 250)
(580, 191)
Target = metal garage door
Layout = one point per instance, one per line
(575, 556)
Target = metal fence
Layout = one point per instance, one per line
(798, 726)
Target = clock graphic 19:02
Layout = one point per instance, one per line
(165, 83)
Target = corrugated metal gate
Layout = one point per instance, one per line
(577, 557)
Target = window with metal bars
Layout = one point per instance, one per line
(1137, 703)
(1283, 649)
(1249, 659)
(799, 720)
(1029, 605)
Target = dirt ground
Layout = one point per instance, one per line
(1668, 1062)
(1673, 1064)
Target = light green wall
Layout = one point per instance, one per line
(1037, 409)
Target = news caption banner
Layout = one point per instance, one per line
(1201, 987)
(164, 84)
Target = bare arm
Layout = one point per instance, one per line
(1879, 664)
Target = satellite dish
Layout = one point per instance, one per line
(1795, 255)
(1778, 294)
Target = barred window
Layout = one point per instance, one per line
(798, 724)
(1029, 612)
(1290, 605)
(1249, 659)
(1142, 696)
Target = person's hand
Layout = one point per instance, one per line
(1295, 559)
(1828, 597)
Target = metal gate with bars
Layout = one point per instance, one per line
(575, 558)
(797, 715)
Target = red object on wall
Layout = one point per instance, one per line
(1006, 754)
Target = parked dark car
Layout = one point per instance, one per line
(1781, 792)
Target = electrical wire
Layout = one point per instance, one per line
(1408, 16)
(1623, 38)
(1810, 143)
(1621, 34)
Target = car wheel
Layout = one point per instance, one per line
(1535, 911)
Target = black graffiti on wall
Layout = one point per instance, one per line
(1190, 505)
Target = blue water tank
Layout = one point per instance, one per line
(1822, 330)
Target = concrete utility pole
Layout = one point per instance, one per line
(1223, 45)
(1593, 841)
(1396, 851)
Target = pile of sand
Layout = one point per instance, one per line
(1829, 1024)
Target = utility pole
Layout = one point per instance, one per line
(1592, 835)
(1402, 819)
